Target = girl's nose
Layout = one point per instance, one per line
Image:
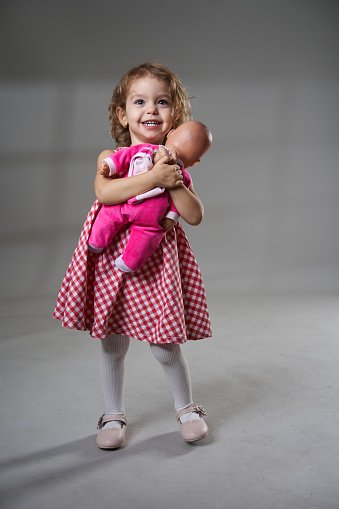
(152, 108)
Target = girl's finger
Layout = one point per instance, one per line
(174, 156)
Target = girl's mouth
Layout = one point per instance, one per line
(151, 123)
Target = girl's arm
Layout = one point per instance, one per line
(188, 204)
(111, 191)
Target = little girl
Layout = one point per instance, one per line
(164, 303)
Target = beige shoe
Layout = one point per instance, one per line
(111, 438)
(192, 431)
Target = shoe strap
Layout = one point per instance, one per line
(192, 408)
(109, 418)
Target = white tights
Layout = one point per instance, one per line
(112, 370)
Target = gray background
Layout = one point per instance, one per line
(264, 74)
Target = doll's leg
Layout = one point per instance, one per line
(112, 369)
(141, 244)
(107, 223)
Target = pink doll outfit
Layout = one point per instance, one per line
(164, 302)
(145, 212)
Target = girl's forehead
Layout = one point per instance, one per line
(148, 84)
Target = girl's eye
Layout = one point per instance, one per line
(163, 102)
(139, 101)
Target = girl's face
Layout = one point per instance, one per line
(149, 111)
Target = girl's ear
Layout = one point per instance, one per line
(121, 114)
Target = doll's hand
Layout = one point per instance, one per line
(167, 224)
(104, 169)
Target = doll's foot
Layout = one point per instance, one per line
(94, 249)
(112, 431)
(121, 266)
(192, 425)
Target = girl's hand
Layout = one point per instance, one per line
(167, 224)
(166, 172)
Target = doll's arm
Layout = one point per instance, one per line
(173, 213)
(103, 169)
(167, 224)
(119, 161)
(111, 191)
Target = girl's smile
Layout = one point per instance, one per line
(148, 112)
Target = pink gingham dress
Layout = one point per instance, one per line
(164, 302)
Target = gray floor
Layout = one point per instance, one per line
(268, 379)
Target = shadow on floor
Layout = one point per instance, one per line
(73, 459)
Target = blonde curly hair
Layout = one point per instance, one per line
(182, 108)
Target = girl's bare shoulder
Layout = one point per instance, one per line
(104, 154)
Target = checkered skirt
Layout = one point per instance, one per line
(164, 302)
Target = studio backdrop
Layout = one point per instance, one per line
(262, 74)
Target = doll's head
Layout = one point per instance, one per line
(190, 140)
(181, 104)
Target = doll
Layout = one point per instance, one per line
(146, 212)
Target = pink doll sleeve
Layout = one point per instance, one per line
(173, 213)
(119, 161)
